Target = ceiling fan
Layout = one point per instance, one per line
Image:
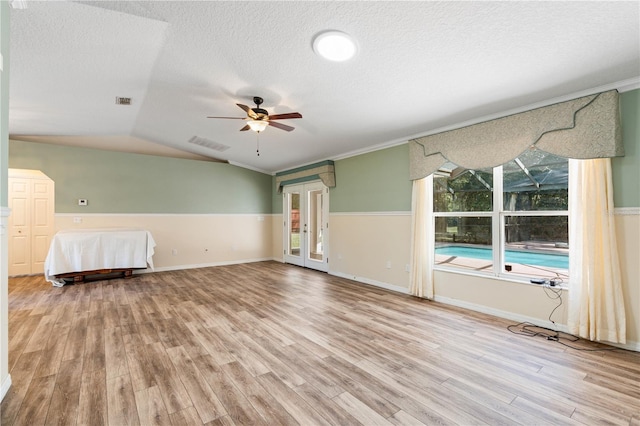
(258, 119)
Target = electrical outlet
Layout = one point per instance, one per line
(77, 219)
(83, 202)
(388, 264)
(174, 252)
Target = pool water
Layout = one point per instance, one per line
(560, 261)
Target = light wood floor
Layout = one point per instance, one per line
(273, 344)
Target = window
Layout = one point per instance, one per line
(511, 220)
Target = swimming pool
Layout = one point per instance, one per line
(560, 261)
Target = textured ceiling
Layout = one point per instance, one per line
(420, 66)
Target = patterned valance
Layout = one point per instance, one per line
(323, 171)
(587, 127)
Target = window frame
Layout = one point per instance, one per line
(498, 216)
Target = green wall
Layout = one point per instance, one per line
(626, 170)
(373, 182)
(115, 182)
(276, 198)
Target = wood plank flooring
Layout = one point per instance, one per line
(273, 344)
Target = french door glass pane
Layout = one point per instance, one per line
(294, 220)
(315, 225)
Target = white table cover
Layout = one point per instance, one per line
(95, 249)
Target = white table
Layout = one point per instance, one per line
(82, 250)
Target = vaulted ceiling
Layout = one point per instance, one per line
(420, 66)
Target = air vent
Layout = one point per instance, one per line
(18, 4)
(123, 101)
(197, 140)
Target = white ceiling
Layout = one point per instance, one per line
(420, 66)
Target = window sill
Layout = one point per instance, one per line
(488, 275)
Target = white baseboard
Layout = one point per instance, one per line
(5, 387)
(200, 265)
(368, 281)
(499, 313)
(632, 346)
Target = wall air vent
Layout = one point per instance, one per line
(197, 140)
(123, 101)
(18, 4)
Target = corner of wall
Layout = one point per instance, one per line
(5, 379)
(4, 386)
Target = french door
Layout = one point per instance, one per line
(306, 228)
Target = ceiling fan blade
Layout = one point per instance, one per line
(245, 128)
(281, 126)
(285, 116)
(231, 118)
(249, 111)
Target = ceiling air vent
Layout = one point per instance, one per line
(197, 140)
(123, 101)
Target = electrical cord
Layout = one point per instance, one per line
(554, 292)
(553, 289)
(531, 330)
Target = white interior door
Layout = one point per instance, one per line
(42, 214)
(31, 200)
(19, 227)
(306, 227)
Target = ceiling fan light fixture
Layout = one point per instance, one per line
(257, 125)
(334, 46)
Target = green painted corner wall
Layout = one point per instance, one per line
(276, 198)
(115, 182)
(373, 182)
(626, 170)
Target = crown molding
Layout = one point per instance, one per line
(621, 86)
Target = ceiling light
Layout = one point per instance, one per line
(334, 46)
(258, 125)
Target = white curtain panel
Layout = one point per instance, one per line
(596, 304)
(422, 242)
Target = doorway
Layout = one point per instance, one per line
(31, 200)
(306, 227)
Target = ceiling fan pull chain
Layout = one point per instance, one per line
(258, 143)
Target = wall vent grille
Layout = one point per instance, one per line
(197, 140)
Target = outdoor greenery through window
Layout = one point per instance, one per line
(512, 219)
